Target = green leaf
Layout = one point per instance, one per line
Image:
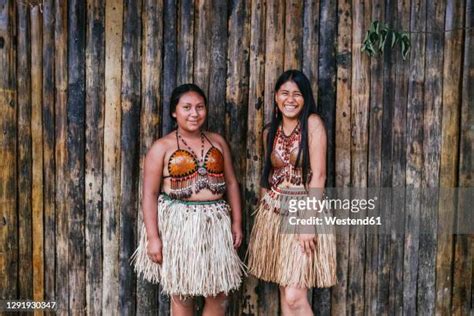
(394, 39)
(382, 43)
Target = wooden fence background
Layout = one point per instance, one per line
(84, 89)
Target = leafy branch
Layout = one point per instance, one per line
(377, 36)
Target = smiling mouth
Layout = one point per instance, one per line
(290, 107)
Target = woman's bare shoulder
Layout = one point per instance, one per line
(161, 146)
(315, 121)
(216, 138)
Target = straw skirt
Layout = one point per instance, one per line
(198, 256)
(274, 256)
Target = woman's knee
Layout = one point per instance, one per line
(294, 298)
(182, 302)
(220, 300)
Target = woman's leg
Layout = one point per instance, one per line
(294, 301)
(182, 306)
(215, 305)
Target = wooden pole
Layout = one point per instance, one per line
(359, 149)
(254, 152)
(414, 130)
(8, 154)
(62, 218)
(75, 155)
(37, 202)
(151, 65)
(49, 163)
(449, 152)
(186, 42)
(25, 236)
(426, 292)
(112, 119)
(343, 146)
(95, 91)
(129, 149)
(217, 72)
(293, 36)
(464, 247)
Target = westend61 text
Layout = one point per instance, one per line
(335, 221)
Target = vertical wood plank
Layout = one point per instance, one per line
(148, 293)
(359, 149)
(401, 22)
(95, 90)
(203, 16)
(374, 166)
(111, 190)
(48, 149)
(186, 42)
(274, 51)
(62, 227)
(342, 153)
(327, 79)
(414, 129)
(37, 202)
(293, 36)
(25, 240)
(169, 80)
(129, 146)
(217, 72)
(268, 294)
(75, 156)
(388, 95)
(237, 83)
(311, 43)
(8, 153)
(426, 292)
(464, 244)
(170, 67)
(236, 102)
(254, 152)
(449, 151)
(326, 99)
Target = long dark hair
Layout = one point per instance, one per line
(309, 108)
(178, 93)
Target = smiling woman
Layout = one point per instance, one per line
(295, 161)
(190, 233)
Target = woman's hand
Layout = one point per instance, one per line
(154, 248)
(237, 235)
(307, 243)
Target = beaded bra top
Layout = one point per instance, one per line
(283, 158)
(187, 171)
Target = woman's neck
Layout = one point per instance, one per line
(289, 125)
(188, 134)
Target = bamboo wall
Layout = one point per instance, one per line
(84, 89)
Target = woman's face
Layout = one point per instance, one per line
(289, 100)
(190, 111)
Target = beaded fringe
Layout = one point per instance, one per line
(198, 254)
(277, 257)
(183, 187)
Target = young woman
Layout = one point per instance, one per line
(295, 160)
(190, 233)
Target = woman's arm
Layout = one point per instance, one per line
(153, 168)
(233, 192)
(317, 145)
(264, 136)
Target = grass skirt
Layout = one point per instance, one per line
(198, 256)
(277, 257)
